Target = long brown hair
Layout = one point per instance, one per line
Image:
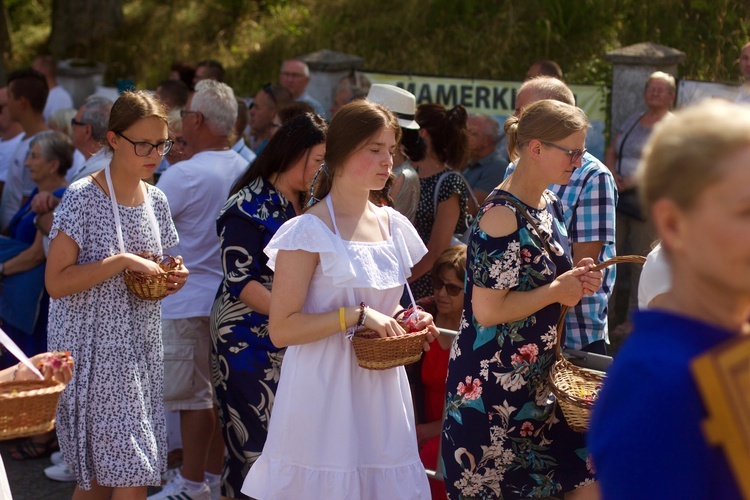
(350, 128)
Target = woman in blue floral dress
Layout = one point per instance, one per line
(503, 436)
(244, 361)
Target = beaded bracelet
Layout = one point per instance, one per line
(362, 315)
(342, 319)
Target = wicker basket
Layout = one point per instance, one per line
(381, 353)
(28, 407)
(151, 286)
(576, 388)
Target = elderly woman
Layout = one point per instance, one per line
(22, 252)
(635, 233)
(502, 437)
(646, 434)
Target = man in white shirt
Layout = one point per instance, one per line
(89, 136)
(58, 98)
(295, 75)
(11, 133)
(27, 93)
(197, 190)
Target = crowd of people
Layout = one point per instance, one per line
(292, 227)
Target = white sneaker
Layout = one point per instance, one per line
(215, 487)
(60, 472)
(56, 458)
(177, 489)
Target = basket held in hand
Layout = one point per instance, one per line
(27, 407)
(151, 286)
(381, 353)
(576, 388)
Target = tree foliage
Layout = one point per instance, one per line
(495, 39)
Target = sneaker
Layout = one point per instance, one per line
(56, 458)
(177, 489)
(60, 472)
(215, 487)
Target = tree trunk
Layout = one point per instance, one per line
(78, 24)
(5, 45)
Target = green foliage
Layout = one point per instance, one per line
(496, 39)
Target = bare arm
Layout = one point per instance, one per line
(255, 296)
(64, 277)
(28, 259)
(590, 249)
(288, 325)
(445, 222)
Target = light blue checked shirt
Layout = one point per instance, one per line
(589, 200)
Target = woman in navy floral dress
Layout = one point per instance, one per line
(503, 436)
(245, 363)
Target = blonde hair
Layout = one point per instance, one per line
(547, 120)
(683, 156)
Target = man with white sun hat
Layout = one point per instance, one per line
(405, 189)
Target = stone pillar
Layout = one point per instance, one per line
(326, 69)
(632, 67)
(80, 78)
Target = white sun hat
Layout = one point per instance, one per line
(401, 102)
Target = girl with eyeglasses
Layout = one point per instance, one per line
(503, 437)
(110, 421)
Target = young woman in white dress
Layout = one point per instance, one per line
(338, 430)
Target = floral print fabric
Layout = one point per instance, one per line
(503, 435)
(245, 364)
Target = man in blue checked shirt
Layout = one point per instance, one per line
(589, 200)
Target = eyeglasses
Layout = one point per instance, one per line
(452, 290)
(145, 148)
(184, 112)
(575, 154)
(75, 122)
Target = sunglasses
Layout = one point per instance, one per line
(575, 154)
(452, 290)
(75, 122)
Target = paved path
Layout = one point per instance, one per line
(27, 479)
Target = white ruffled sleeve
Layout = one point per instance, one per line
(407, 240)
(309, 233)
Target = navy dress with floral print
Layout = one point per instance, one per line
(245, 364)
(503, 436)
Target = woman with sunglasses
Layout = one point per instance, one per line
(446, 306)
(110, 421)
(503, 436)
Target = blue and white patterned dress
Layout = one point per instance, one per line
(110, 422)
(501, 437)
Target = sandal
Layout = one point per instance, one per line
(28, 449)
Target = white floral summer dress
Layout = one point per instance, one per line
(110, 422)
(338, 431)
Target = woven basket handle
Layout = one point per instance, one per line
(623, 259)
